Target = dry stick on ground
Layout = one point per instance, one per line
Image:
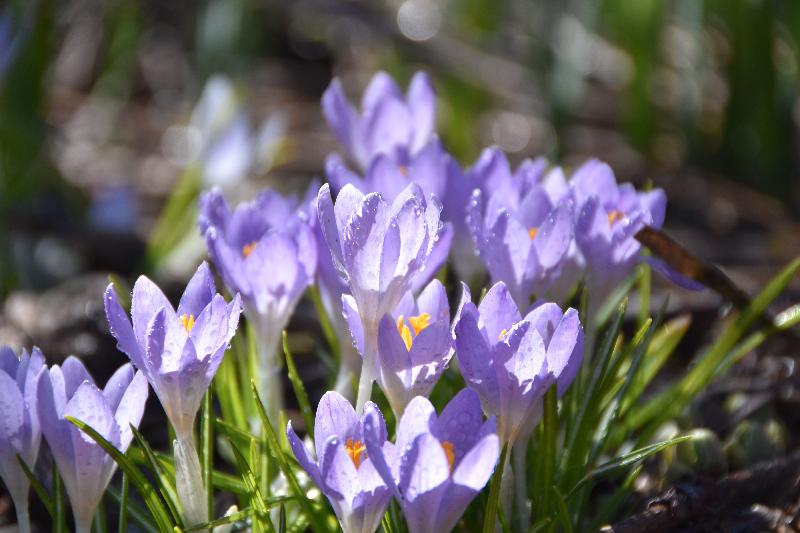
(764, 483)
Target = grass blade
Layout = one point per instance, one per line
(299, 389)
(38, 488)
(60, 519)
(277, 452)
(490, 518)
(137, 515)
(166, 485)
(122, 526)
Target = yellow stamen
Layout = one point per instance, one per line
(354, 449)
(532, 232)
(614, 216)
(405, 332)
(419, 322)
(450, 453)
(247, 249)
(403, 170)
(187, 321)
(502, 334)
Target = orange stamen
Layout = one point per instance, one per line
(354, 449)
(187, 321)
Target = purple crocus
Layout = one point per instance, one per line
(390, 122)
(265, 250)
(511, 361)
(608, 217)
(378, 247)
(432, 168)
(85, 468)
(19, 424)
(178, 351)
(438, 464)
(414, 344)
(343, 469)
(521, 235)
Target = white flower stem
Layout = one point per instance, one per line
(189, 482)
(367, 367)
(270, 386)
(21, 507)
(83, 524)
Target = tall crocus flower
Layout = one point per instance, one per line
(520, 234)
(179, 352)
(343, 470)
(378, 247)
(19, 424)
(389, 123)
(438, 464)
(84, 466)
(511, 361)
(265, 250)
(432, 168)
(414, 344)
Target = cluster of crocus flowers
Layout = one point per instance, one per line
(178, 352)
(378, 247)
(264, 250)
(20, 433)
(85, 468)
(343, 470)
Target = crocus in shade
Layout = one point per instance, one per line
(438, 464)
(378, 247)
(521, 236)
(85, 468)
(432, 169)
(178, 351)
(265, 250)
(511, 361)
(19, 424)
(390, 122)
(343, 470)
(414, 345)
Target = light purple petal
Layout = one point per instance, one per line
(422, 102)
(302, 455)
(335, 418)
(198, 293)
(120, 326)
(424, 480)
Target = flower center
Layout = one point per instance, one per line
(449, 451)
(614, 216)
(532, 232)
(247, 249)
(502, 334)
(187, 321)
(403, 170)
(419, 322)
(354, 449)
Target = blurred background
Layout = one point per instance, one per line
(115, 114)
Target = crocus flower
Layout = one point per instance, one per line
(432, 168)
(378, 247)
(522, 237)
(414, 344)
(343, 470)
(438, 464)
(608, 217)
(389, 123)
(511, 361)
(84, 466)
(19, 424)
(265, 250)
(178, 351)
